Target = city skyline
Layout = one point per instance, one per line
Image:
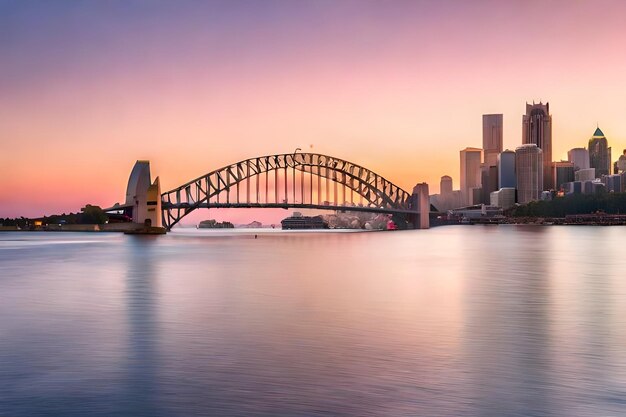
(89, 88)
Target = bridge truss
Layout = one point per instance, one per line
(299, 180)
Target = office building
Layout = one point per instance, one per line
(599, 154)
(574, 187)
(585, 174)
(504, 198)
(562, 172)
(593, 187)
(470, 174)
(476, 196)
(492, 138)
(447, 198)
(579, 157)
(488, 181)
(537, 130)
(613, 183)
(445, 185)
(506, 170)
(620, 164)
(529, 172)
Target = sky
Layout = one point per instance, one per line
(89, 87)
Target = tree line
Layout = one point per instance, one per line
(611, 203)
(88, 215)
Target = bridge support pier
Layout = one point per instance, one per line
(420, 199)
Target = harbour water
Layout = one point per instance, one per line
(452, 321)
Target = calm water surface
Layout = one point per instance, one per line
(453, 321)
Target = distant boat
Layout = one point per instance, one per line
(299, 222)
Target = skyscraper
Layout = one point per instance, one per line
(563, 172)
(506, 170)
(492, 138)
(447, 198)
(579, 157)
(488, 181)
(445, 186)
(620, 164)
(537, 129)
(529, 172)
(599, 154)
(470, 174)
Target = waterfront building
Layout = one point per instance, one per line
(585, 174)
(574, 187)
(537, 130)
(562, 172)
(153, 205)
(529, 172)
(597, 187)
(546, 195)
(579, 157)
(476, 211)
(613, 183)
(503, 198)
(599, 154)
(143, 197)
(492, 138)
(586, 187)
(470, 174)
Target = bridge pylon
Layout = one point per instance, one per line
(420, 199)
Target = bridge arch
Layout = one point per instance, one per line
(304, 175)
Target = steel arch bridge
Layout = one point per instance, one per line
(297, 180)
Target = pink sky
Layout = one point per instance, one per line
(399, 87)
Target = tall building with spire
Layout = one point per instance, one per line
(537, 129)
(599, 154)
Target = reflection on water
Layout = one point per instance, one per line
(508, 324)
(141, 305)
(474, 321)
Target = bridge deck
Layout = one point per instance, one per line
(368, 209)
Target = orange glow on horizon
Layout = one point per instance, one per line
(397, 91)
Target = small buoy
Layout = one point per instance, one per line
(255, 236)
